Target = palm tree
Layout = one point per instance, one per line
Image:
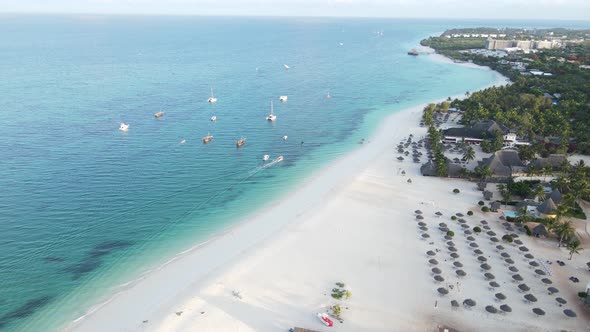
(483, 172)
(574, 247)
(469, 154)
(564, 230)
(540, 193)
(504, 192)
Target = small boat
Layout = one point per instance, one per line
(240, 142)
(413, 52)
(124, 127)
(265, 157)
(159, 114)
(212, 99)
(325, 320)
(183, 141)
(341, 44)
(286, 67)
(279, 158)
(207, 138)
(328, 95)
(285, 138)
(213, 118)
(271, 117)
(283, 98)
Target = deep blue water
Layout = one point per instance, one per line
(85, 207)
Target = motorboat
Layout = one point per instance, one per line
(271, 117)
(213, 118)
(286, 67)
(285, 138)
(183, 141)
(279, 158)
(159, 115)
(283, 98)
(124, 127)
(212, 99)
(328, 95)
(265, 157)
(207, 138)
(240, 142)
(325, 320)
(413, 52)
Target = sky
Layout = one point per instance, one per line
(493, 9)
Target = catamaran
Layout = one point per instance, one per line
(240, 142)
(271, 117)
(207, 138)
(283, 98)
(212, 99)
(124, 127)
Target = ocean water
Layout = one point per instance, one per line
(86, 209)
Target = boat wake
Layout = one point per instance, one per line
(265, 166)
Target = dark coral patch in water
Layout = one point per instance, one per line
(25, 310)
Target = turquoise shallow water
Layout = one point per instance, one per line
(85, 208)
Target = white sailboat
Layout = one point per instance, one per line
(265, 157)
(124, 127)
(271, 117)
(328, 95)
(212, 99)
(283, 98)
(213, 118)
(286, 67)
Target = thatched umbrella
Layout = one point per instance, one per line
(423, 228)
(478, 252)
(540, 272)
(524, 287)
(523, 249)
(438, 213)
(513, 269)
(470, 238)
(447, 237)
(505, 255)
(500, 296)
(460, 273)
(547, 281)
(486, 227)
(462, 221)
(509, 261)
(425, 236)
(491, 233)
(530, 298)
(400, 158)
(539, 311)
(452, 249)
(443, 291)
(459, 214)
(439, 278)
(494, 239)
(464, 226)
(433, 261)
(418, 212)
(454, 304)
(442, 224)
(500, 247)
(517, 277)
(469, 303)
(569, 313)
(552, 290)
(482, 259)
(450, 243)
(474, 245)
(485, 266)
(529, 256)
(457, 264)
(494, 284)
(517, 242)
(483, 222)
(489, 276)
(454, 255)
(436, 270)
(468, 232)
(514, 235)
(430, 253)
(419, 217)
(491, 309)
(533, 263)
(443, 229)
(505, 308)
(421, 223)
(560, 300)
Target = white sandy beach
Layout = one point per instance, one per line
(351, 222)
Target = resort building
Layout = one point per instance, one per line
(494, 44)
(553, 162)
(429, 169)
(547, 209)
(504, 164)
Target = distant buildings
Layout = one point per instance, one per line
(495, 44)
(504, 164)
(478, 132)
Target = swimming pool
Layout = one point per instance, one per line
(511, 214)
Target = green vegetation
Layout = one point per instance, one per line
(557, 124)
(451, 233)
(485, 209)
(434, 137)
(481, 203)
(469, 213)
(336, 310)
(574, 247)
(456, 191)
(507, 238)
(476, 229)
(582, 294)
(340, 292)
(453, 218)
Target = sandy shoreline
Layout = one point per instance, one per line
(352, 222)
